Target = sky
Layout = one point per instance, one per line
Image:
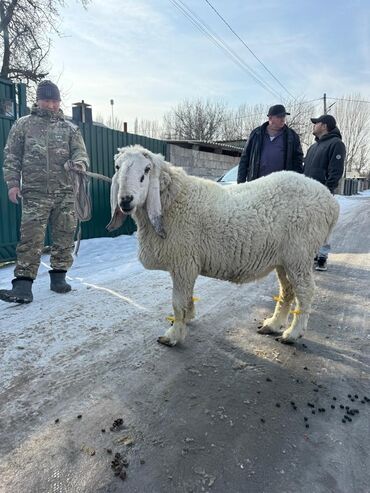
(147, 56)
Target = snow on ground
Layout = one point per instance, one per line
(93, 351)
(110, 286)
(103, 260)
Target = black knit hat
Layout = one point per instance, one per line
(47, 90)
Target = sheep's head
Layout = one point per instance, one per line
(135, 184)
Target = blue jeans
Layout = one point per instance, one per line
(324, 251)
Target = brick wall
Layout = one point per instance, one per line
(199, 163)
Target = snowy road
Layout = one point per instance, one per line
(223, 413)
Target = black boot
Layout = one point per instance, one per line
(58, 281)
(20, 293)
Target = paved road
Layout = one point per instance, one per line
(230, 411)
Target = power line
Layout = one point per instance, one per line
(201, 26)
(262, 112)
(249, 49)
(351, 100)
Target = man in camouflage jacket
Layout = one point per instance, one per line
(37, 148)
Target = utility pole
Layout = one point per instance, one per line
(325, 110)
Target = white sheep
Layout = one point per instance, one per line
(190, 226)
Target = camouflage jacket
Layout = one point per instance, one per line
(38, 145)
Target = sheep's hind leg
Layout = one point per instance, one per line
(304, 288)
(274, 324)
(183, 306)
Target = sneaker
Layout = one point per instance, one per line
(321, 264)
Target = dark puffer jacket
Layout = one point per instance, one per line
(250, 159)
(324, 161)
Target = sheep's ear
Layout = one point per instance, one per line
(118, 216)
(153, 206)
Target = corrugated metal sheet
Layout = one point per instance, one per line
(101, 144)
(10, 214)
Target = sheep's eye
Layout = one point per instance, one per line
(117, 167)
(147, 169)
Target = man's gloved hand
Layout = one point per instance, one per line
(13, 194)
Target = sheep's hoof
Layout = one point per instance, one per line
(281, 339)
(266, 329)
(166, 341)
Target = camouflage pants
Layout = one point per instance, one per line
(37, 210)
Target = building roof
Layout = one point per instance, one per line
(208, 146)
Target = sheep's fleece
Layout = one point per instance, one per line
(190, 226)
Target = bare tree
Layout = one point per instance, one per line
(299, 120)
(195, 120)
(239, 123)
(149, 128)
(24, 37)
(353, 121)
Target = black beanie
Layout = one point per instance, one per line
(47, 90)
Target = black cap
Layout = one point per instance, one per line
(327, 119)
(47, 90)
(277, 110)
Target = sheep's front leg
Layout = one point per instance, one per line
(183, 307)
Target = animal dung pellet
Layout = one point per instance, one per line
(341, 406)
(309, 404)
(103, 430)
(262, 420)
(56, 421)
(306, 419)
(307, 425)
(116, 424)
(334, 398)
(332, 406)
(79, 416)
(268, 379)
(277, 404)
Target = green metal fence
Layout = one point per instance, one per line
(101, 144)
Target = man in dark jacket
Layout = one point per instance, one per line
(324, 162)
(271, 147)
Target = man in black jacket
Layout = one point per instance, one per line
(324, 162)
(271, 147)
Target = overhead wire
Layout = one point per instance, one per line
(249, 49)
(351, 100)
(201, 26)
